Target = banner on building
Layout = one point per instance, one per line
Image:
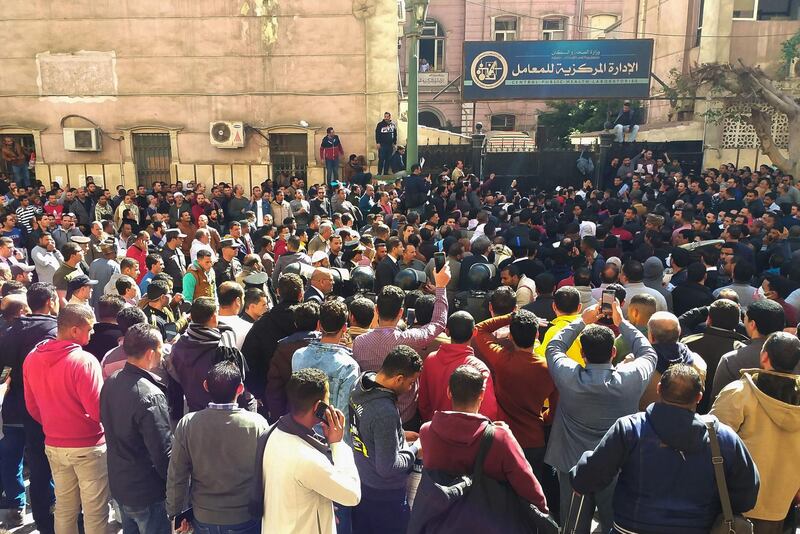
(539, 70)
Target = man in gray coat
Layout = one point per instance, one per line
(591, 399)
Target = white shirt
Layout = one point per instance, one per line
(198, 246)
(302, 485)
(239, 325)
(47, 263)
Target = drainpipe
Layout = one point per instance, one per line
(642, 18)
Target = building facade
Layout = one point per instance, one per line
(691, 32)
(140, 82)
(451, 22)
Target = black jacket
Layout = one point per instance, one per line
(712, 346)
(261, 341)
(386, 134)
(385, 272)
(105, 337)
(22, 336)
(135, 417)
(688, 295)
(175, 266)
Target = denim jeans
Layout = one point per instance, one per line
(22, 176)
(248, 527)
(331, 170)
(41, 479)
(384, 156)
(620, 130)
(385, 511)
(12, 448)
(150, 519)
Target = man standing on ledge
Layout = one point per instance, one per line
(386, 139)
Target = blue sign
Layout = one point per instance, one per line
(538, 70)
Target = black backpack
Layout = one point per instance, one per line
(447, 504)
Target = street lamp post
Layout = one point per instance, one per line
(417, 11)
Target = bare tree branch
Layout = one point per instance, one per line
(762, 123)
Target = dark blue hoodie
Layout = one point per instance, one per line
(17, 341)
(383, 459)
(666, 481)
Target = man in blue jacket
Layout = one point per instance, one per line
(662, 458)
(417, 187)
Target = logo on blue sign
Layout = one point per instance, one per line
(489, 70)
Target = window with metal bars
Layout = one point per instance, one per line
(152, 155)
(289, 154)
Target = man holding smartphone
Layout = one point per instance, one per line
(305, 472)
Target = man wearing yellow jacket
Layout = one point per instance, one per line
(763, 407)
(567, 305)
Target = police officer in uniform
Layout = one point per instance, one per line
(228, 265)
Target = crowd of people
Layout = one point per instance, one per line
(309, 357)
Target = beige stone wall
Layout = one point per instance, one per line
(174, 66)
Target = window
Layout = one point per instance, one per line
(766, 9)
(553, 29)
(152, 155)
(505, 29)
(699, 33)
(503, 123)
(598, 24)
(431, 47)
(288, 153)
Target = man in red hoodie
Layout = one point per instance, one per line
(440, 365)
(62, 386)
(452, 439)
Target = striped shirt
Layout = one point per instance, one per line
(371, 348)
(26, 215)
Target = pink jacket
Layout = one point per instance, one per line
(62, 392)
(435, 378)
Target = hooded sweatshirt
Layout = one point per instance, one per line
(764, 409)
(62, 392)
(435, 378)
(666, 479)
(558, 324)
(451, 441)
(383, 459)
(191, 358)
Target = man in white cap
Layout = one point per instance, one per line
(320, 259)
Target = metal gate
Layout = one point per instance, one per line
(152, 155)
(289, 154)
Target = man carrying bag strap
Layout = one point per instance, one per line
(727, 523)
(474, 503)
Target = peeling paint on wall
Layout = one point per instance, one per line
(82, 76)
(265, 10)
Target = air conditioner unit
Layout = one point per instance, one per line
(227, 134)
(83, 139)
(794, 68)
